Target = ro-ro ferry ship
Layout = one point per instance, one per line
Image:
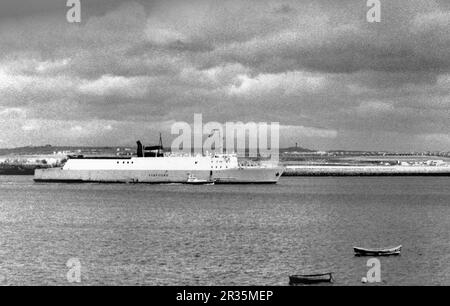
(152, 165)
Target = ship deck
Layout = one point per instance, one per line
(100, 157)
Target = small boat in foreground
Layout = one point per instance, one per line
(377, 252)
(311, 278)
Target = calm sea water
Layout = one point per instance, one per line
(224, 235)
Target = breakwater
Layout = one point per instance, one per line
(324, 170)
(7, 169)
(26, 164)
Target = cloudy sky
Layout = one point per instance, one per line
(132, 68)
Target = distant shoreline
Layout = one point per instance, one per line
(331, 170)
(295, 164)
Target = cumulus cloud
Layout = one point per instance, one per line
(436, 20)
(311, 132)
(25, 85)
(374, 108)
(12, 113)
(134, 87)
(290, 83)
(161, 34)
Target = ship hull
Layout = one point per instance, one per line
(229, 176)
(248, 176)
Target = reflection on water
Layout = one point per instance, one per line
(224, 235)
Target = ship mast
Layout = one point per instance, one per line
(161, 148)
(220, 139)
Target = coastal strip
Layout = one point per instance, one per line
(325, 170)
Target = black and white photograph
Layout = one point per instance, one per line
(204, 144)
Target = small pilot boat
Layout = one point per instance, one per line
(377, 252)
(306, 279)
(196, 181)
